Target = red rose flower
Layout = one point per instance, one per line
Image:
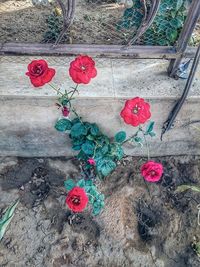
(82, 69)
(39, 72)
(136, 111)
(91, 161)
(65, 111)
(77, 199)
(152, 171)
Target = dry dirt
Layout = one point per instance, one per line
(95, 22)
(142, 225)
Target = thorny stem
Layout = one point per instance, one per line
(130, 138)
(67, 96)
(55, 89)
(145, 139)
(147, 146)
(74, 111)
(75, 90)
(148, 155)
(146, 142)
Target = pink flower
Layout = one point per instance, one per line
(91, 161)
(152, 171)
(65, 111)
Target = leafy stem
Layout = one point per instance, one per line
(74, 111)
(132, 137)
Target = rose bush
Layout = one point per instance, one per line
(98, 154)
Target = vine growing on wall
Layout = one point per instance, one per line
(166, 26)
(98, 153)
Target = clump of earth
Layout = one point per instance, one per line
(142, 224)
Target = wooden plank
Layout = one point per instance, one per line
(154, 52)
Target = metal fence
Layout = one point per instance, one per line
(127, 28)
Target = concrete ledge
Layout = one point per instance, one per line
(28, 115)
(116, 79)
(26, 126)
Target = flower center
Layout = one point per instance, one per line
(153, 173)
(136, 109)
(37, 69)
(76, 200)
(83, 68)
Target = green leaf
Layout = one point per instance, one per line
(179, 4)
(182, 188)
(93, 191)
(88, 148)
(196, 247)
(82, 156)
(176, 22)
(63, 125)
(78, 141)
(173, 13)
(81, 183)
(171, 35)
(69, 184)
(98, 154)
(76, 147)
(152, 134)
(6, 219)
(101, 197)
(106, 166)
(120, 137)
(104, 149)
(150, 126)
(96, 210)
(138, 140)
(75, 121)
(78, 130)
(94, 129)
(117, 152)
(90, 137)
(88, 183)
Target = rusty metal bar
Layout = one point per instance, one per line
(173, 114)
(152, 52)
(191, 20)
(68, 12)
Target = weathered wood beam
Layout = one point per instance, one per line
(159, 52)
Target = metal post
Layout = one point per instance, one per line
(173, 114)
(191, 20)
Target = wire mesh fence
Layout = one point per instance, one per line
(95, 22)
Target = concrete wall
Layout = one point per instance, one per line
(28, 114)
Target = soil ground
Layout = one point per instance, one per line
(142, 225)
(95, 23)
